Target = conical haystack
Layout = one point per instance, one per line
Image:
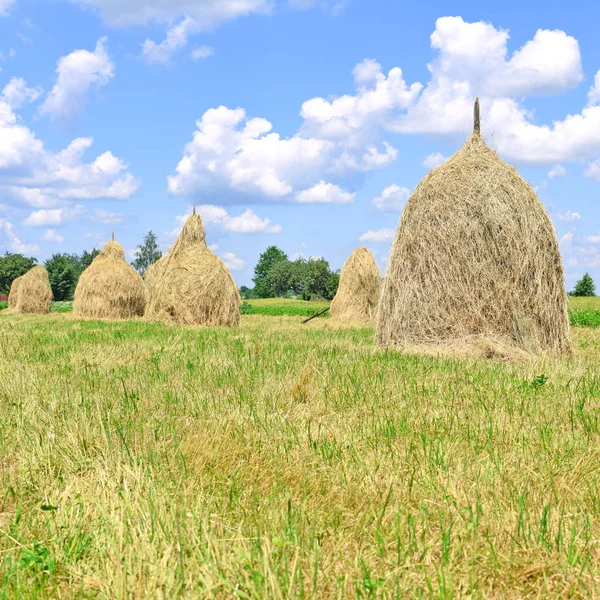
(32, 293)
(110, 288)
(358, 292)
(192, 285)
(14, 293)
(475, 263)
(153, 274)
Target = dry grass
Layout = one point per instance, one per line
(31, 293)
(358, 292)
(279, 461)
(110, 288)
(475, 257)
(192, 285)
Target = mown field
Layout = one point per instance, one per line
(284, 461)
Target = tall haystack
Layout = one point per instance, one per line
(358, 293)
(33, 292)
(110, 288)
(14, 293)
(192, 285)
(475, 263)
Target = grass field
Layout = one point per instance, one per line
(286, 461)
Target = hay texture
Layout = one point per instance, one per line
(14, 293)
(32, 293)
(192, 285)
(110, 288)
(475, 263)
(153, 274)
(358, 292)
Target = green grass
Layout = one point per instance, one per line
(277, 307)
(283, 461)
(3, 305)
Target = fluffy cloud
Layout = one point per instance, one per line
(14, 242)
(104, 216)
(569, 217)
(50, 235)
(16, 93)
(594, 93)
(434, 160)
(593, 170)
(392, 199)
(557, 171)
(380, 236)
(232, 262)
(53, 217)
(5, 6)
(177, 38)
(592, 239)
(77, 73)
(203, 52)
(324, 193)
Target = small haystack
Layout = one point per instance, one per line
(191, 284)
(358, 293)
(32, 293)
(475, 264)
(14, 293)
(110, 288)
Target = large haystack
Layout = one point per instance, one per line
(14, 293)
(475, 263)
(110, 288)
(33, 292)
(192, 285)
(358, 293)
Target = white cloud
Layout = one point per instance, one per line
(592, 239)
(380, 236)
(203, 52)
(434, 160)
(324, 193)
(50, 235)
(569, 217)
(557, 171)
(105, 216)
(14, 242)
(5, 6)
(16, 93)
(232, 262)
(594, 93)
(593, 170)
(53, 217)
(177, 38)
(77, 73)
(392, 199)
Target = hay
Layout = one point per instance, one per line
(14, 293)
(192, 285)
(358, 293)
(153, 274)
(475, 257)
(32, 294)
(110, 288)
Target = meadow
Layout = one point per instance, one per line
(281, 460)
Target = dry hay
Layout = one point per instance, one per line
(358, 292)
(153, 274)
(14, 293)
(192, 285)
(475, 263)
(32, 294)
(110, 288)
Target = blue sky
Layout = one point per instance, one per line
(300, 123)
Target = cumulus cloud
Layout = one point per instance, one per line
(77, 73)
(380, 236)
(16, 93)
(593, 170)
(50, 235)
(592, 239)
(54, 217)
(569, 216)
(13, 241)
(324, 193)
(203, 52)
(594, 93)
(557, 171)
(232, 262)
(177, 38)
(434, 160)
(392, 199)
(104, 216)
(5, 6)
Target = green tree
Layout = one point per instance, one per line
(86, 258)
(63, 272)
(271, 256)
(147, 253)
(313, 279)
(585, 286)
(11, 267)
(281, 277)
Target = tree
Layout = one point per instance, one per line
(63, 272)
(271, 256)
(313, 278)
(281, 277)
(585, 286)
(11, 267)
(147, 253)
(86, 259)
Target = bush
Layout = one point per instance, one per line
(585, 286)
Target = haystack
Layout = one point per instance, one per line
(32, 293)
(475, 263)
(358, 292)
(14, 293)
(110, 288)
(192, 285)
